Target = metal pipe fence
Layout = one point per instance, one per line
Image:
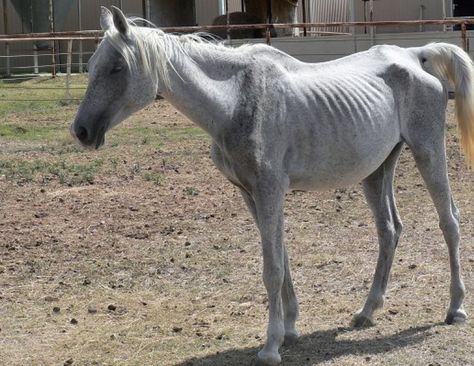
(75, 59)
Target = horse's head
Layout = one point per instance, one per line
(118, 85)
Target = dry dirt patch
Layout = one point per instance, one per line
(154, 259)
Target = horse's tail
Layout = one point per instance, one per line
(451, 63)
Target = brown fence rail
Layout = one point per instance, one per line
(95, 36)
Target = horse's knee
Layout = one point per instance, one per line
(398, 226)
(389, 233)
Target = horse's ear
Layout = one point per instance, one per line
(106, 21)
(120, 21)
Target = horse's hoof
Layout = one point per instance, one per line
(361, 321)
(291, 338)
(268, 359)
(457, 317)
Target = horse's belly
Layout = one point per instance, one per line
(347, 167)
(317, 180)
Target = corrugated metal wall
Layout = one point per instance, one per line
(340, 10)
(325, 11)
(235, 5)
(402, 10)
(207, 10)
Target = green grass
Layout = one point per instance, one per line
(153, 177)
(36, 147)
(191, 191)
(43, 171)
(152, 136)
(30, 133)
(39, 94)
(28, 118)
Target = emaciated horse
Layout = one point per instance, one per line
(278, 124)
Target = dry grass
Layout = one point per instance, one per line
(155, 261)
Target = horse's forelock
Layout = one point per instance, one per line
(145, 49)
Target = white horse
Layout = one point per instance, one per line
(278, 124)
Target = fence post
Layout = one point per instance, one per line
(68, 70)
(79, 15)
(7, 53)
(81, 62)
(51, 29)
(5, 30)
(463, 36)
(227, 19)
(53, 59)
(268, 35)
(371, 19)
(35, 59)
(305, 31)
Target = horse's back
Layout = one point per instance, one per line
(350, 114)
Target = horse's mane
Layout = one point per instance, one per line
(151, 48)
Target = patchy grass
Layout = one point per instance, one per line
(39, 95)
(42, 171)
(191, 191)
(32, 133)
(153, 177)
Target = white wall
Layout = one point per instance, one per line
(383, 10)
(319, 49)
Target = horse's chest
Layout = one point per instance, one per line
(225, 166)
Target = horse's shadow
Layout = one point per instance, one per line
(320, 346)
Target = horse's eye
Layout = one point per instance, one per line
(116, 69)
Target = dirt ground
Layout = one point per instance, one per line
(143, 254)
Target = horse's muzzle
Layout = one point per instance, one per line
(82, 135)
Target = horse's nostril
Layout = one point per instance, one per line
(81, 133)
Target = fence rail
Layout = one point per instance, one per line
(95, 36)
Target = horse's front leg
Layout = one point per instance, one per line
(268, 197)
(289, 301)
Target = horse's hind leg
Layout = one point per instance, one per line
(290, 304)
(431, 161)
(378, 189)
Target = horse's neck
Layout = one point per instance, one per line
(204, 86)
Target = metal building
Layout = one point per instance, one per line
(22, 16)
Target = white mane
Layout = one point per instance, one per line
(152, 50)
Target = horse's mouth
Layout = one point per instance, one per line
(100, 138)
